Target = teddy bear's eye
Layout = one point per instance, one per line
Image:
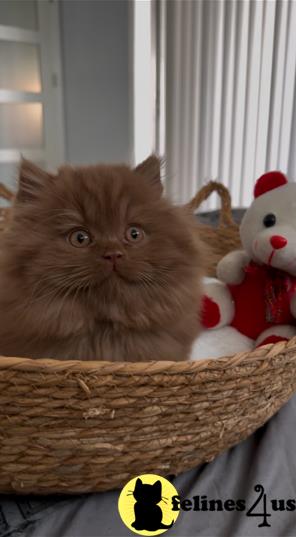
(269, 220)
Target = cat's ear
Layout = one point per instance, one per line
(150, 169)
(157, 487)
(138, 482)
(32, 180)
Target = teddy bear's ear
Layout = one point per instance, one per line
(269, 181)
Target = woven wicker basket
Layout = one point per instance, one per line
(89, 426)
(225, 237)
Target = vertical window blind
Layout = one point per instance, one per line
(229, 87)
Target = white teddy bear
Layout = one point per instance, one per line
(256, 293)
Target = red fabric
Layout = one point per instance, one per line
(272, 339)
(210, 313)
(262, 300)
(269, 181)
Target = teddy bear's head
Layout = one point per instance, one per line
(268, 229)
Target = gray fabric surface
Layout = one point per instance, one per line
(267, 458)
(212, 217)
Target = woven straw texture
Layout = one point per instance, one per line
(225, 237)
(77, 427)
(5, 211)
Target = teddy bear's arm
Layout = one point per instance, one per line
(231, 267)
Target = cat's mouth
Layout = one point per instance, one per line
(124, 272)
(113, 271)
(118, 274)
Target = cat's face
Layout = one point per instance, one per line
(147, 493)
(101, 233)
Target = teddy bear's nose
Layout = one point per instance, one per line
(278, 242)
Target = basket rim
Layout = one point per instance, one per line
(46, 365)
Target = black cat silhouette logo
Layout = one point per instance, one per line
(145, 504)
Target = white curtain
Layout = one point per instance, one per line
(230, 93)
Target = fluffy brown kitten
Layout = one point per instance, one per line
(97, 265)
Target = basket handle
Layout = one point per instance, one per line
(226, 218)
(5, 193)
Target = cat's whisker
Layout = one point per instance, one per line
(150, 284)
(59, 281)
(62, 292)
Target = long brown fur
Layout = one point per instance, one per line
(58, 301)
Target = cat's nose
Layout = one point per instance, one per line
(113, 257)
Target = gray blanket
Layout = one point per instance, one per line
(267, 458)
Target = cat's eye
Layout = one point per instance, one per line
(269, 220)
(79, 238)
(134, 234)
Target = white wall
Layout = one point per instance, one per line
(95, 57)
